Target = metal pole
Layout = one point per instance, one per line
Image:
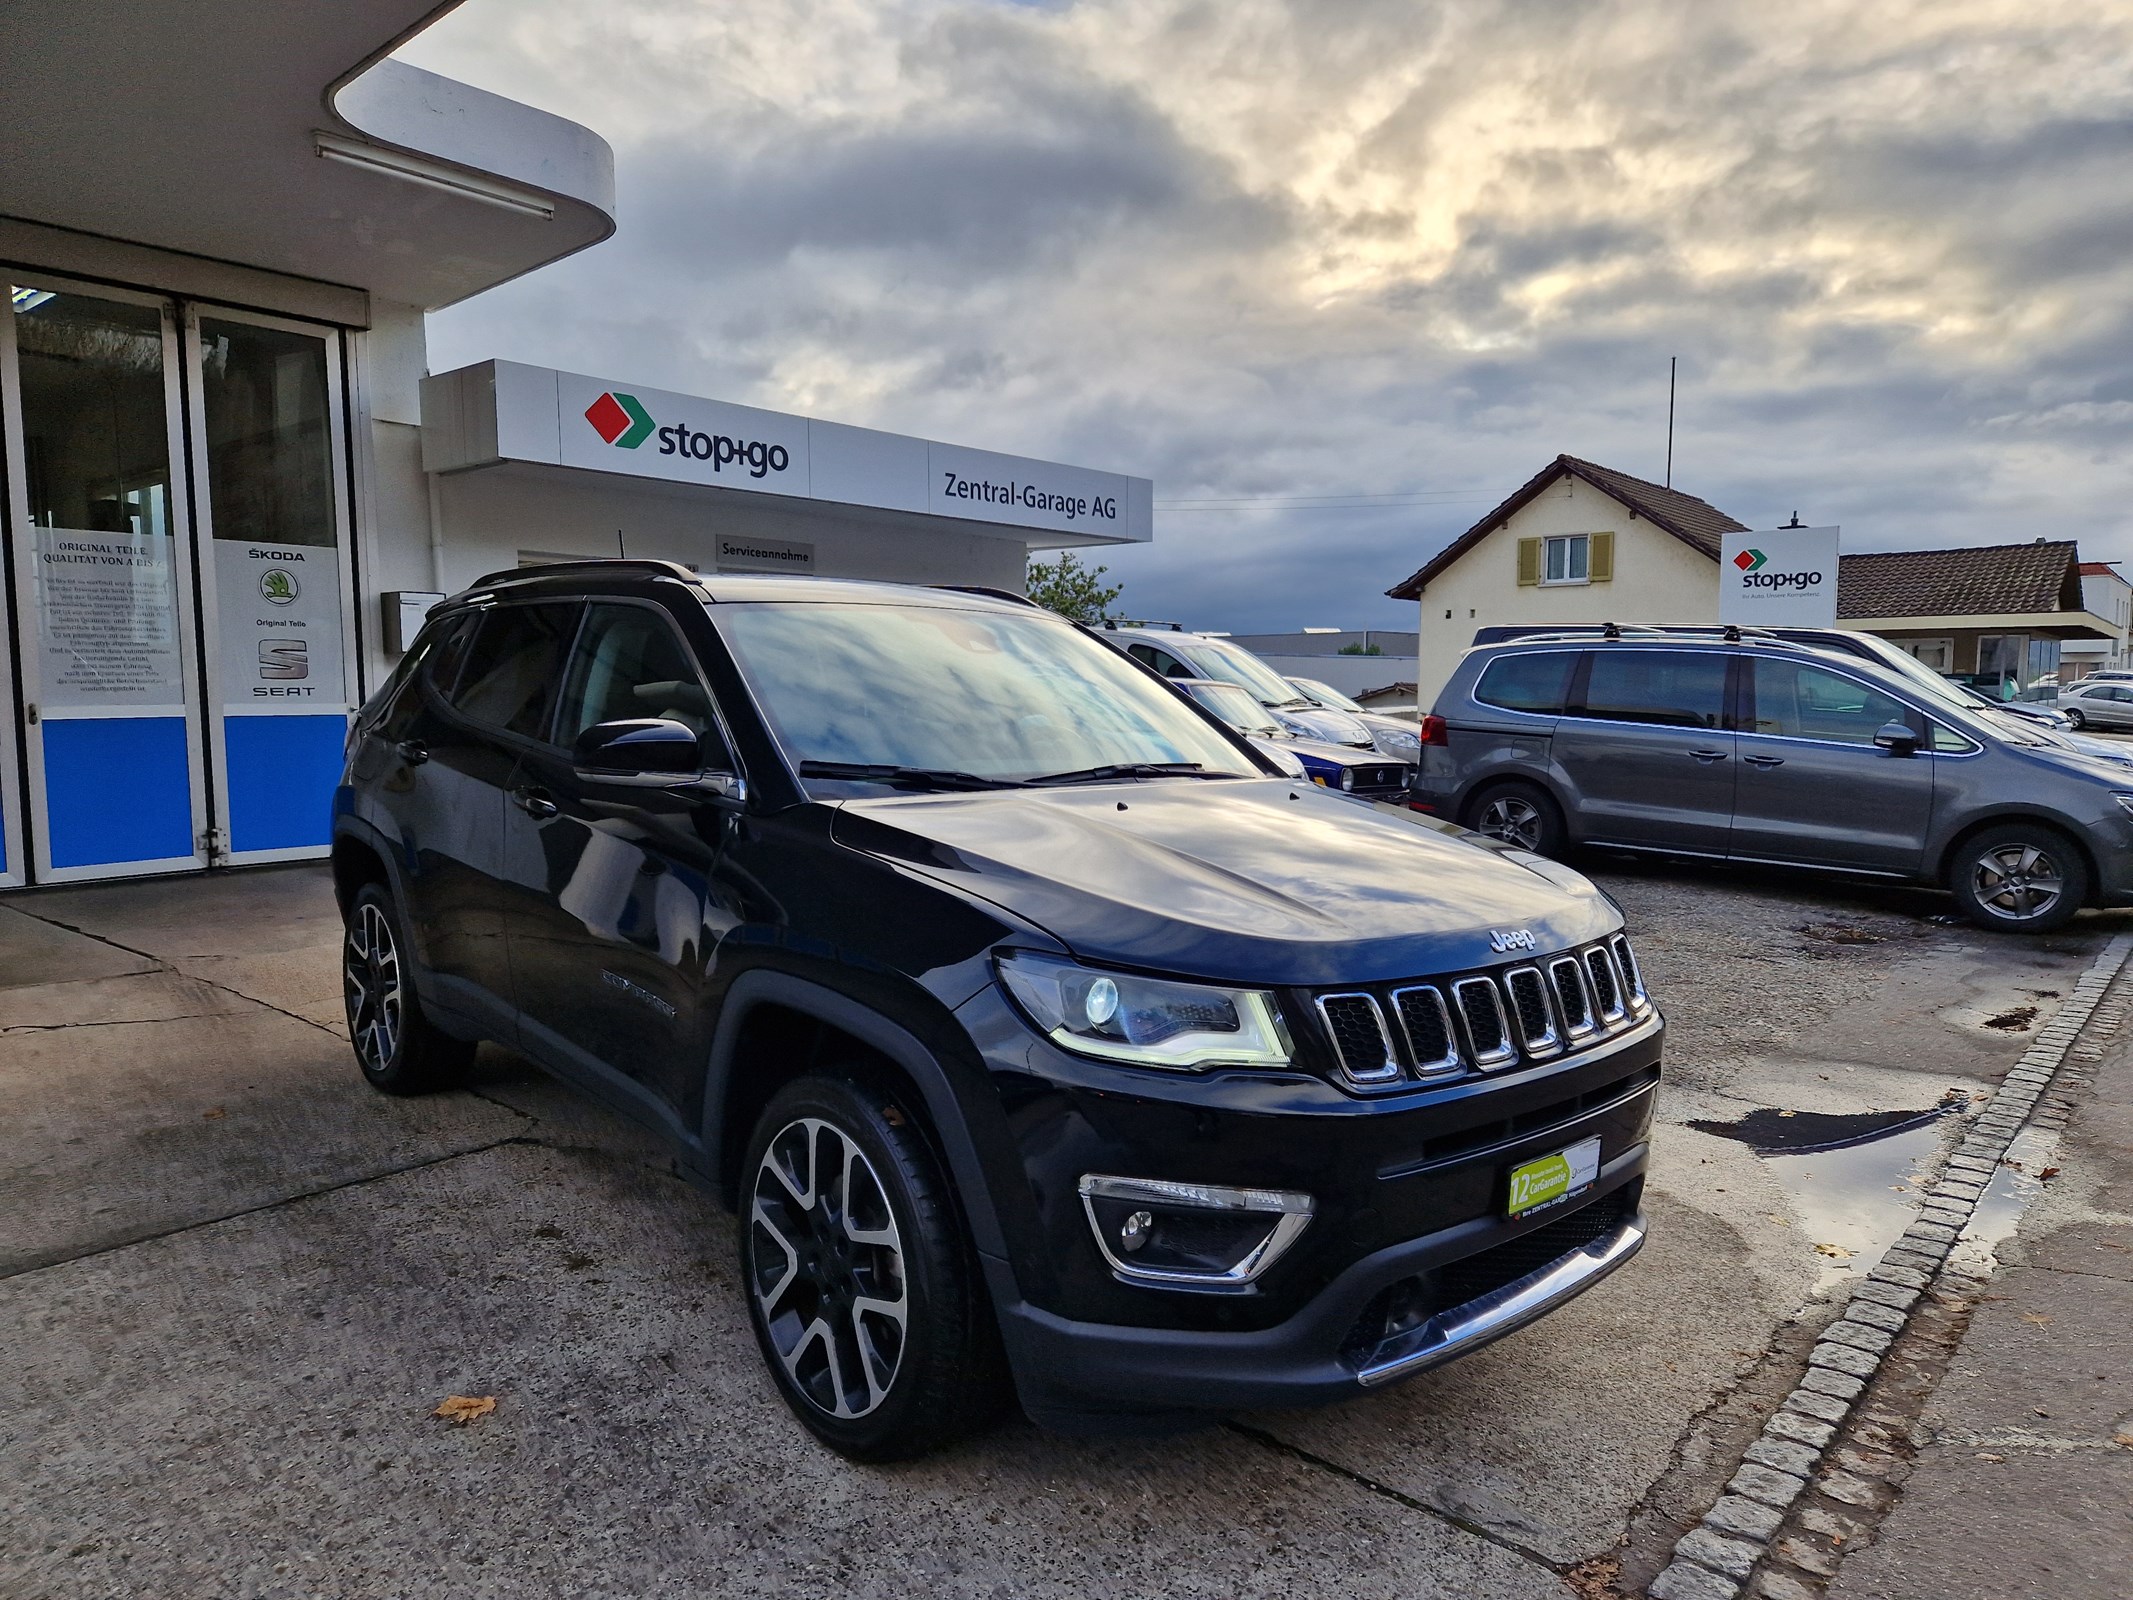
(1670, 363)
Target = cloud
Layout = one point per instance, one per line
(1295, 248)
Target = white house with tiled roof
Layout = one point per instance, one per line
(1579, 543)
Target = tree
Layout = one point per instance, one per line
(1361, 650)
(1071, 589)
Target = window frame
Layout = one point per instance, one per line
(482, 618)
(1572, 681)
(1567, 542)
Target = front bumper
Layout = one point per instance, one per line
(1411, 1195)
(1079, 1376)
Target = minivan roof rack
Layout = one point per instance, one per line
(1138, 622)
(1587, 633)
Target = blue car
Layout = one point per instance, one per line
(1331, 766)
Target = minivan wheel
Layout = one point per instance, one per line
(399, 1049)
(2019, 879)
(1522, 814)
(863, 1291)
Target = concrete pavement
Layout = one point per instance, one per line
(238, 1282)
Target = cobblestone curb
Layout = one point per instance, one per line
(1715, 1560)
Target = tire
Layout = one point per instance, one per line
(1521, 814)
(399, 1049)
(861, 1282)
(2074, 717)
(2019, 878)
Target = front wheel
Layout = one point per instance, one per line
(2019, 879)
(864, 1294)
(1521, 814)
(399, 1049)
(2076, 719)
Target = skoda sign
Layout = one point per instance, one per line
(1781, 578)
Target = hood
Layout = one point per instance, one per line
(1317, 722)
(1252, 880)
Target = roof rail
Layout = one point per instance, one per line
(637, 566)
(1611, 633)
(1138, 622)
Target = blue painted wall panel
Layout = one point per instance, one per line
(117, 789)
(281, 771)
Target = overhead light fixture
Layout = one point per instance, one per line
(435, 175)
(27, 299)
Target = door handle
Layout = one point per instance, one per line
(413, 751)
(1708, 756)
(1765, 761)
(535, 803)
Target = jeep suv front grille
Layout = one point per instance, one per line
(1359, 1037)
(1485, 1021)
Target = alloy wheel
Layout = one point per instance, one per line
(2016, 881)
(370, 969)
(827, 1265)
(1513, 820)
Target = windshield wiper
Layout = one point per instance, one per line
(910, 777)
(1129, 769)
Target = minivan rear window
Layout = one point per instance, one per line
(1534, 682)
(1673, 688)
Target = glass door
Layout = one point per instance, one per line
(277, 595)
(103, 594)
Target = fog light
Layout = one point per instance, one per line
(1191, 1235)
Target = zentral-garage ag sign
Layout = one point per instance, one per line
(502, 411)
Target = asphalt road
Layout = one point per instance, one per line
(237, 1283)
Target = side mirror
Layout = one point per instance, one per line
(640, 750)
(1897, 739)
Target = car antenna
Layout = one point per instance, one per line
(624, 554)
(1732, 633)
(1611, 630)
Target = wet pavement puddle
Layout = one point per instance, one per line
(2021, 1176)
(1854, 1180)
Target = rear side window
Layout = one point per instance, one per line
(1528, 682)
(511, 669)
(1672, 688)
(1162, 660)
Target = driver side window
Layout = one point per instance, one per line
(628, 663)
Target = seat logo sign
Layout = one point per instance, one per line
(1749, 560)
(620, 419)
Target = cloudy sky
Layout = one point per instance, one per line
(1340, 274)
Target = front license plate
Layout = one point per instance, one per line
(1553, 1179)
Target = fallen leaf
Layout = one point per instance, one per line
(2046, 1174)
(2036, 1319)
(2124, 1439)
(1987, 1455)
(1836, 1252)
(213, 1112)
(1788, 1113)
(464, 1408)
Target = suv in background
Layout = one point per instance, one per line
(1036, 1028)
(1757, 749)
(1178, 654)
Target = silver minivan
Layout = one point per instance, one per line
(1760, 750)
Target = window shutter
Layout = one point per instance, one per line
(1529, 561)
(1600, 558)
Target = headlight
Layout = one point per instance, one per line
(1149, 1022)
(1347, 777)
(1400, 744)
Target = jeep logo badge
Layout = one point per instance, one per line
(1502, 939)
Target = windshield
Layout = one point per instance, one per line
(1234, 707)
(990, 695)
(1325, 694)
(1234, 664)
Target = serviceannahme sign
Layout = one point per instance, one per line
(1782, 578)
(503, 411)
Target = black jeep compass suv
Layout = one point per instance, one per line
(1037, 1029)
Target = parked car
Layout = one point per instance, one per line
(1364, 774)
(1759, 749)
(2090, 704)
(1393, 736)
(1178, 654)
(1066, 1046)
